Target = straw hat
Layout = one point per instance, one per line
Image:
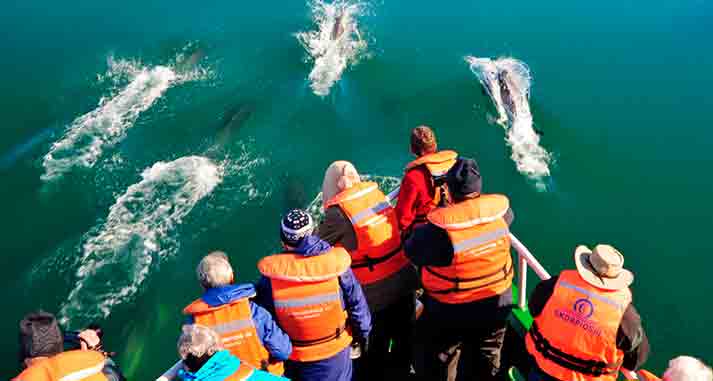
(602, 267)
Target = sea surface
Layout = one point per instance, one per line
(138, 136)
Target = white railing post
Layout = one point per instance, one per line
(522, 285)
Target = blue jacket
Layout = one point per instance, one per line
(271, 335)
(221, 366)
(353, 298)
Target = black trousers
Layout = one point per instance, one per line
(480, 338)
(390, 343)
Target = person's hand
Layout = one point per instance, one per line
(89, 339)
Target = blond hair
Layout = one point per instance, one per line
(198, 340)
(339, 176)
(423, 141)
(214, 270)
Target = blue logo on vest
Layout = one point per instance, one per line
(584, 308)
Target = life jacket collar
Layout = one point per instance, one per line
(442, 161)
(469, 213)
(297, 268)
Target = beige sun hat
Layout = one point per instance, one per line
(602, 267)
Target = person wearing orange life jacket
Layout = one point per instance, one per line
(466, 271)
(42, 353)
(248, 331)
(358, 217)
(423, 187)
(585, 326)
(316, 299)
(203, 358)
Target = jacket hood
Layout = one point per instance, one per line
(218, 368)
(216, 297)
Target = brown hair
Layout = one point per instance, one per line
(423, 141)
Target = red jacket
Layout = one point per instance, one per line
(415, 197)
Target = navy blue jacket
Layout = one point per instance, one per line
(271, 336)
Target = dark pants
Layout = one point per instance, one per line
(481, 336)
(390, 343)
(335, 368)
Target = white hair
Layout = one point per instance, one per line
(198, 340)
(686, 368)
(214, 270)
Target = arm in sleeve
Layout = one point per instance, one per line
(271, 335)
(429, 245)
(333, 228)
(355, 304)
(263, 297)
(540, 295)
(509, 217)
(632, 339)
(408, 194)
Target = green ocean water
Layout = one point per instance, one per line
(620, 89)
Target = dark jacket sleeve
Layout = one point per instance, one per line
(337, 229)
(429, 245)
(355, 304)
(271, 335)
(632, 339)
(540, 295)
(263, 297)
(509, 217)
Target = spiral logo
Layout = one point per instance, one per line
(583, 308)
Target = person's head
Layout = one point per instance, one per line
(196, 345)
(423, 141)
(686, 368)
(294, 227)
(40, 337)
(214, 270)
(464, 181)
(602, 267)
(340, 176)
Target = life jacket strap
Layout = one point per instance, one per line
(309, 343)
(371, 262)
(506, 271)
(589, 367)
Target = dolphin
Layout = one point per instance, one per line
(233, 119)
(338, 27)
(9, 159)
(506, 95)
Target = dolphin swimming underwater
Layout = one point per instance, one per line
(234, 118)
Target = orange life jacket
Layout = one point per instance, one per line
(438, 165)
(74, 365)
(379, 253)
(645, 375)
(308, 301)
(234, 323)
(574, 338)
(482, 265)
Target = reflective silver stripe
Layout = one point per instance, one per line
(232, 326)
(245, 377)
(84, 373)
(360, 193)
(480, 240)
(308, 301)
(368, 212)
(591, 294)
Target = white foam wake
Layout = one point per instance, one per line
(386, 184)
(514, 114)
(330, 55)
(117, 256)
(90, 134)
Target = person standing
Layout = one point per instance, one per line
(423, 186)
(44, 358)
(316, 299)
(247, 330)
(359, 217)
(585, 325)
(466, 269)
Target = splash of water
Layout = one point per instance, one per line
(117, 256)
(513, 107)
(335, 44)
(90, 134)
(386, 184)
